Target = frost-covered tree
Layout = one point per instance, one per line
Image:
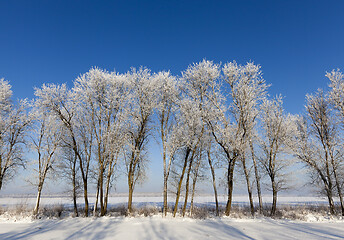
(167, 97)
(141, 103)
(278, 131)
(337, 98)
(46, 136)
(247, 90)
(68, 169)
(14, 122)
(101, 97)
(198, 81)
(318, 145)
(62, 103)
(187, 134)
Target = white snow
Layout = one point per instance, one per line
(156, 227)
(168, 228)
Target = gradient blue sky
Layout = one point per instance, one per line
(295, 41)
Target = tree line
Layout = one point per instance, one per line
(212, 119)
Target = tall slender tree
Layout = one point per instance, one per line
(45, 141)
(14, 122)
(277, 135)
(140, 110)
(167, 98)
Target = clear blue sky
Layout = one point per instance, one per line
(295, 41)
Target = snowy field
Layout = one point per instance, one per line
(154, 199)
(156, 227)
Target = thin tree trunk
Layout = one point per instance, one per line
(1, 178)
(164, 211)
(194, 184)
(83, 175)
(96, 203)
(84, 180)
(249, 190)
(74, 187)
(256, 173)
(329, 190)
(187, 186)
(166, 175)
(107, 188)
(86, 198)
(337, 185)
(193, 192)
(214, 183)
(188, 150)
(339, 193)
(101, 191)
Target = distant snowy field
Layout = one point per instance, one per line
(153, 199)
(156, 227)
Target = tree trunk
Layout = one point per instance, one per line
(188, 150)
(274, 197)
(96, 202)
(83, 175)
(107, 188)
(74, 188)
(340, 195)
(86, 198)
(329, 189)
(249, 190)
(166, 175)
(187, 186)
(193, 194)
(101, 191)
(165, 194)
(256, 173)
(330, 200)
(230, 175)
(130, 198)
(1, 178)
(84, 180)
(338, 185)
(35, 210)
(214, 183)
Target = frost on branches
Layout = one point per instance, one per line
(212, 120)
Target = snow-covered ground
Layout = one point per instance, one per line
(156, 227)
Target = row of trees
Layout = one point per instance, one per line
(211, 119)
